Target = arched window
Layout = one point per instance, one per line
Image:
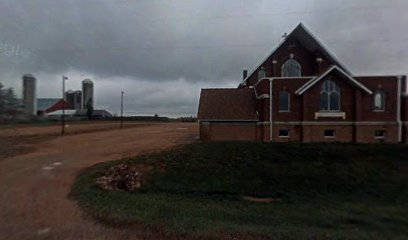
(291, 68)
(284, 101)
(330, 96)
(379, 101)
(261, 73)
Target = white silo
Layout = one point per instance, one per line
(78, 100)
(87, 93)
(29, 95)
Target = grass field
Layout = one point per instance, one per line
(333, 191)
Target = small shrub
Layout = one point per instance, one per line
(121, 177)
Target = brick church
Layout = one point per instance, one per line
(302, 92)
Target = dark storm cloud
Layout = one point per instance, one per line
(147, 39)
(163, 51)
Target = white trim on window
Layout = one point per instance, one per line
(381, 135)
(287, 135)
(330, 88)
(382, 95)
(327, 134)
(261, 74)
(289, 67)
(330, 115)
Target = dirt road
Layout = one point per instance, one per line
(34, 186)
(70, 128)
(16, 140)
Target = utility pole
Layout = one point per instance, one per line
(121, 110)
(63, 105)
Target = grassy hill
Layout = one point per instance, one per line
(316, 191)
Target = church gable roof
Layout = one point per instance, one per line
(310, 42)
(338, 70)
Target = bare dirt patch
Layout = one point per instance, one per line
(16, 145)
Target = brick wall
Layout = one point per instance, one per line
(228, 131)
(404, 108)
(365, 134)
(263, 132)
(343, 133)
(315, 133)
(299, 133)
(389, 85)
(295, 113)
(205, 131)
(294, 133)
(405, 133)
(404, 117)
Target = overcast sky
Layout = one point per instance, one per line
(162, 52)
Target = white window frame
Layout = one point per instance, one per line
(329, 80)
(284, 136)
(329, 136)
(261, 73)
(382, 94)
(384, 133)
(291, 60)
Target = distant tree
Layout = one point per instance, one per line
(12, 104)
(9, 105)
(2, 101)
(89, 109)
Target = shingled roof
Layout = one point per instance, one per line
(227, 104)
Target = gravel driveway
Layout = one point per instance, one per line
(34, 186)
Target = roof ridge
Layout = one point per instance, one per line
(312, 82)
(224, 88)
(373, 76)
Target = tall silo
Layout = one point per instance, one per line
(74, 99)
(70, 98)
(87, 93)
(29, 94)
(78, 100)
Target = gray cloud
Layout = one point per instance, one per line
(163, 52)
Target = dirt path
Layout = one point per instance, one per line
(34, 186)
(71, 128)
(22, 139)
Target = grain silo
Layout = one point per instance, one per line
(78, 100)
(87, 93)
(74, 99)
(69, 98)
(29, 95)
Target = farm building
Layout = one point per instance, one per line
(48, 105)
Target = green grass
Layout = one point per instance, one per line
(333, 191)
